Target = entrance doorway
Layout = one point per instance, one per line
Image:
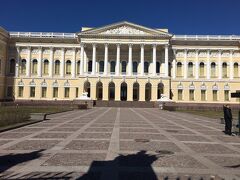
(87, 88)
(99, 90)
(123, 91)
(111, 91)
(136, 91)
(148, 92)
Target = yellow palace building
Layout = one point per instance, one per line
(119, 62)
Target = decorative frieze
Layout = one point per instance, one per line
(126, 30)
(226, 54)
(214, 54)
(191, 54)
(202, 54)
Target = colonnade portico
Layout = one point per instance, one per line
(94, 46)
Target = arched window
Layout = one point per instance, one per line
(112, 66)
(190, 69)
(89, 66)
(68, 67)
(235, 70)
(160, 90)
(135, 67)
(87, 88)
(158, 67)
(78, 67)
(146, 67)
(224, 70)
(45, 66)
(213, 69)
(201, 69)
(101, 66)
(99, 90)
(124, 67)
(34, 66)
(23, 66)
(12, 66)
(179, 69)
(148, 92)
(57, 67)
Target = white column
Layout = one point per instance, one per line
(208, 64)
(51, 62)
(106, 60)
(62, 71)
(154, 60)
(82, 59)
(85, 62)
(40, 63)
(17, 62)
(118, 60)
(196, 66)
(130, 59)
(166, 61)
(74, 63)
(142, 59)
(185, 64)
(28, 68)
(174, 64)
(94, 59)
(231, 65)
(219, 64)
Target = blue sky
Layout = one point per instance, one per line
(179, 16)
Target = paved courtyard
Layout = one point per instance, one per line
(120, 143)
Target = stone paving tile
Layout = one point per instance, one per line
(211, 132)
(229, 139)
(43, 124)
(151, 130)
(238, 146)
(99, 129)
(164, 176)
(87, 145)
(136, 125)
(11, 135)
(72, 125)
(102, 125)
(179, 131)
(155, 160)
(27, 129)
(226, 162)
(148, 146)
(142, 136)
(169, 127)
(2, 142)
(191, 138)
(52, 135)
(64, 129)
(95, 135)
(75, 159)
(33, 145)
(210, 148)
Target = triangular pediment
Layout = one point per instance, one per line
(125, 29)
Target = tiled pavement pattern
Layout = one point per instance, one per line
(120, 143)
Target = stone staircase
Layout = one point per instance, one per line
(133, 104)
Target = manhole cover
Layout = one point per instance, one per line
(173, 131)
(142, 140)
(164, 152)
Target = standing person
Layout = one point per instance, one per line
(228, 119)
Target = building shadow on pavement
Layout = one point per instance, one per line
(115, 169)
(10, 160)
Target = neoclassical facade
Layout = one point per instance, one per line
(119, 62)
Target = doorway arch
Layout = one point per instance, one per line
(160, 90)
(148, 91)
(136, 91)
(111, 91)
(99, 90)
(123, 91)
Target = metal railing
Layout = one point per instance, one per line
(43, 35)
(206, 37)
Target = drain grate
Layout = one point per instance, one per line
(173, 131)
(142, 140)
(164, 152)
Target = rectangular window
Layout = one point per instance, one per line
(180, 94)
(203, 95)
(214, 95)
(10, 91)
(20, 91)
(32, 91)
(191, 95)
(76, 92)
(55, 92)
(44, 92)
(66, 92)
(226, 95)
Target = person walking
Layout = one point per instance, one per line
(228, 119)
